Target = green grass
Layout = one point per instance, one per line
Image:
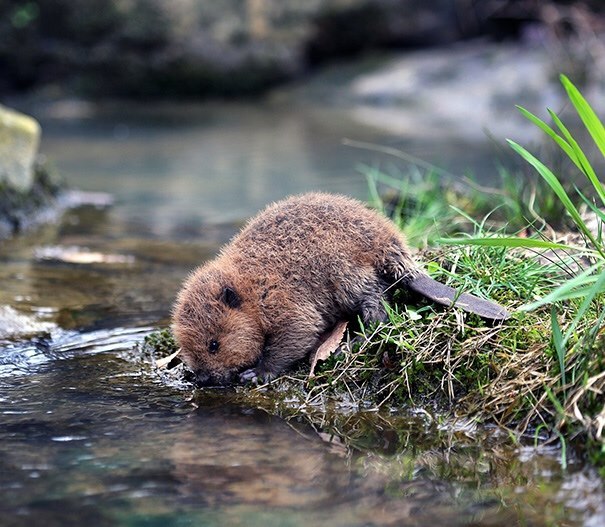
(575, 391)
(22, 210)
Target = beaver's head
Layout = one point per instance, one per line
(216, 327)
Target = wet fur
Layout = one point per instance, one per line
(283, 282)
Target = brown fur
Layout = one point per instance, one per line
(283, 282)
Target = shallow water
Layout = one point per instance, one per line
(89, 433)
(176, 167)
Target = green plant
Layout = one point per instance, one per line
(418, 203)
(578, 300)
(542, 369)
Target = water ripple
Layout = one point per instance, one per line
(27, 357)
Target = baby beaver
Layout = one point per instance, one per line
(282, 284)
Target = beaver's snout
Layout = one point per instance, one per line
(204, 379)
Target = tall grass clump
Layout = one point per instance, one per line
(574, 389)
(419, 204)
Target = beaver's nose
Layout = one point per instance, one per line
(198, 378)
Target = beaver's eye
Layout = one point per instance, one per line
(213, 347)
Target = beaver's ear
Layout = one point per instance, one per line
(231, 298)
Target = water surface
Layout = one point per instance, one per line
(174, 166)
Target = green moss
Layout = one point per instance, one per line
(160, 343)
(19, 210)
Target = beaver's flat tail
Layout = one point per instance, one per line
(448, 296)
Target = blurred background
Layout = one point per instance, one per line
(233, 48)
(203, 111)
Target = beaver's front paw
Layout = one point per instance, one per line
(256, 376)
(249, 376)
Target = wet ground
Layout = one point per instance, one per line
(91, 434)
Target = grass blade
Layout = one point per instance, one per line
(554, 183)
(375, 199)
(574, 288)
(581, 161)
(563, 144)
(559, 343)
(599, 213)
(597, 287)
(589, 117)
(508, 241)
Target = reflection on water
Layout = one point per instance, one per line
(130, 280)
(90, 434)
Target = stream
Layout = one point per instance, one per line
(91, 434)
